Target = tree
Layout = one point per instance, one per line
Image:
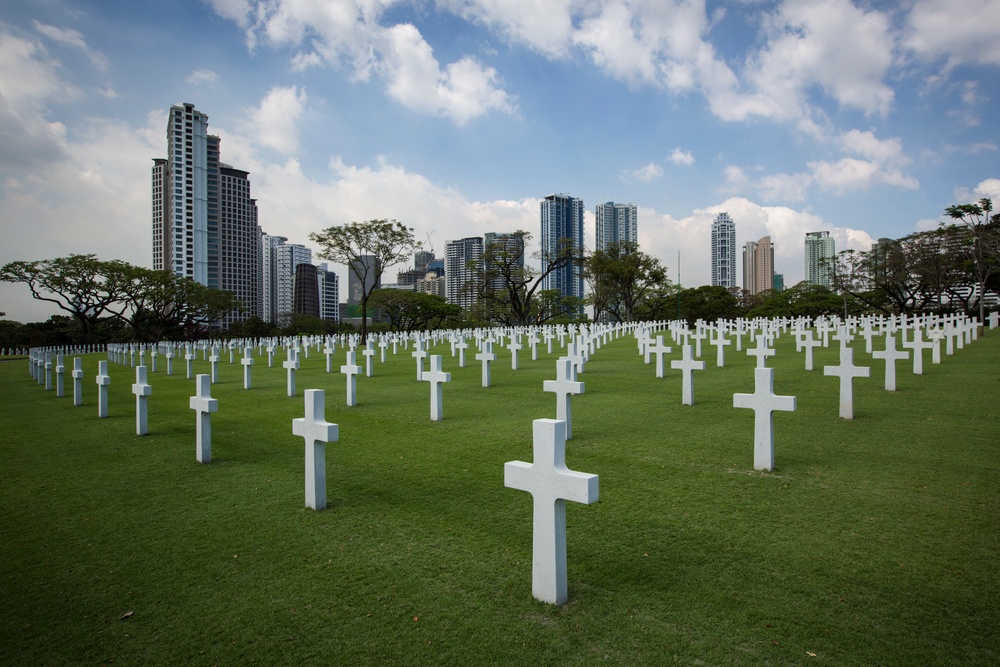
(509, 290)
(620, 277)
(708, 303)
(81, 285)
(387, 241)
(984, 246)
(801, 300)
(411, 311)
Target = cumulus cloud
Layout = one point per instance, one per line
(644, 174)
(200, 76)
(353, 32)
(274, 122)
(681, 157)
(956, 31)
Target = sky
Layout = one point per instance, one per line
(456, 117)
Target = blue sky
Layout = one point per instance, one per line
(866, 119)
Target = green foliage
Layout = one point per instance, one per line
(707, 303)
(388, 241)
(412, 311)
(620, 278)
(802, 300)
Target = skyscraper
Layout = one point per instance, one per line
(758, 265)
(329, 293)
(269, 275)
(615, 223)
(463, 270)
(819, 246)
(204, 220)
(724, 251)
(305, 292)
(502, 249)
(562, 224)
(186, 199)
(240, 253)
(287, 256)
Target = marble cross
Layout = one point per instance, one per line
(204, 405)
(808, 343)
(890, 354)
(77, 381)
(486, 356)
(369, 354)
(687, 364)
(564, 386)
(550, 484)
(514, 347)
(918, 345)
(436, 377)
(658, 350)
(351, 370)
(60, 376)
(847, 371)
(764, 402)
(291, 364)
(316, 432)
(419, 353)
(247, 362)
(762, 351)
(142, 391)
(103, 380)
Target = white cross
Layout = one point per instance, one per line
(142, 391)
(328, 352)
(60, 374)
(419, 353)
(688, 365)
(890, 354)
(436, 377)
(291, 365)
(847, 371)
(103, 380)
(48, 371)
(659, 349)
(461, 346)
(247, 362)
(369, 353)
(918, 345)
(762, 351)
(77, 381)
(764, 402)
(550, 484)
(533, 344)
(189, 358)
(382, 345)
(351, 370)
(720, 344)
(514, 346)
(317, 432)
(204, 405)
(936, 335)
(486, 356)
(563, 387)
(808, 342)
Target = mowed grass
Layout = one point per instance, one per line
(873, 542)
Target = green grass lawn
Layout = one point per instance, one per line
(873, 542)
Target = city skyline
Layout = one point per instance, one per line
(456, 118)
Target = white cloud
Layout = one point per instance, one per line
(73, 38)
(988, 188)
(273, 123)
(464, 90)
(643, 174)
(957, 31)
(353, 32)
(681, 157)
(200, 76)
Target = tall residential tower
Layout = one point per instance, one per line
(819, 246)
(724, 251)
(562, 226)
(615, 223)
(758, 265)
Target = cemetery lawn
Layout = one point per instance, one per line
(873, 542)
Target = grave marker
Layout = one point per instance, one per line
(550, 484)
(142, 391)
(764, 402)
(687, 364)
(351, 370)
(436, 377)
(890, 354)
(204, 405)
(564, 386)
(103, 380)
(847, 371)
(77, 381)
(316, 432)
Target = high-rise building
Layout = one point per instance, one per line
(186, 199)
(240, 255)
(779, 282)
(329, 293)
(205, 223)
(421, 259)
(724, 251)
(361, 275)
(431, 283)
(502, 248)
(615, 223)
(287, 256)
(819, 246)
(269, 275)
(463, 270)
(758, 265)
(305, 290)
(562, 226)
